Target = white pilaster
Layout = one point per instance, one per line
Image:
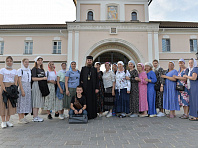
(156, 45)
(69, 49)
(103, 12)
(78, 12)
(146, 9)
(76, 47)
(122, 12)
(150, 47)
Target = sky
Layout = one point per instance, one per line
(60, 11)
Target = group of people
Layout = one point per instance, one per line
(136, 91)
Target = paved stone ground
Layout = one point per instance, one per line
(102, 133)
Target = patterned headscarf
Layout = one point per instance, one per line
(49, 67)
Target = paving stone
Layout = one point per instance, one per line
(73, 143)
(143, 133)
(97, 139)
(110, 131)
(147, 145)
(151, 140)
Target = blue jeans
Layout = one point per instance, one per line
(71, 112)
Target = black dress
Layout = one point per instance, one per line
(89, 82)
(100, 94)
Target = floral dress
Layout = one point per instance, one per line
(183, 95)
(159, 94)
(134, 96)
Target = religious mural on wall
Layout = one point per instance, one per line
(112, 12)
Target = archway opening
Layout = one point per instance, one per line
(112, 57)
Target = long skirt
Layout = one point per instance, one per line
(67, 101)
(122, 101)
(159, 100)
(108, 99)
(24, 104)
(10, 110)
(151, 98)
(50, 100)
(59, 104)
(37, 99)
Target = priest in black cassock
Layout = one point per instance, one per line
(90, 84)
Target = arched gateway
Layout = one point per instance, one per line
(114, 49)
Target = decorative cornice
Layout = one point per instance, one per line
(143, 27)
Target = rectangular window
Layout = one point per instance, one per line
(57, 47)
(193, 45)
(28, 47)
(166, 45)
(1, 47)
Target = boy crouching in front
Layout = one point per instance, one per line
(78, 103)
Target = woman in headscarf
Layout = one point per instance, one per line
(192, 81)
(100, 94)
(151, 93)
(159, 87)
(61, 92)
(134, 96)
(24, 104)
(109, 83)
(72, 80)
(183, 95)
(8, 77)
(50, 100)
(122, 91)
(142, 84)
(170, 101)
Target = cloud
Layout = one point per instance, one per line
(174, 10)
(36, 11)
(59, 11)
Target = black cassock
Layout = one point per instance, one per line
(89, 82)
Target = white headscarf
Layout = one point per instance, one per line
(172, 62)
(181, 60)
(190, 69)
(36, 59)
(120, 62)
(8, 67)
(148, 64)
(23, 67)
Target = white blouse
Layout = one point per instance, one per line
(51, 75)
(108, 78)
(8, 75)
(121, 81)
(25, 75)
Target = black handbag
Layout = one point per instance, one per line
(180, 87)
